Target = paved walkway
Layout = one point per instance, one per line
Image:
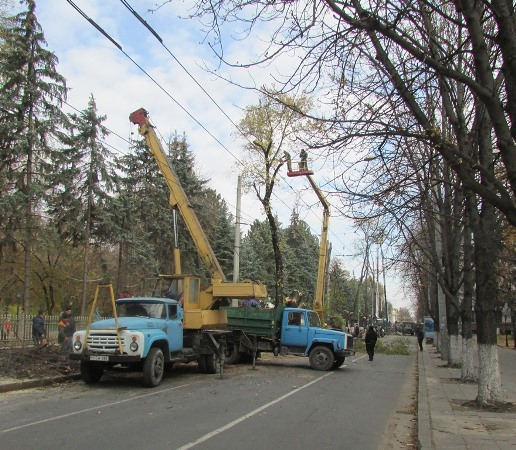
(443, 420)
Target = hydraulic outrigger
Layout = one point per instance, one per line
(323, 247)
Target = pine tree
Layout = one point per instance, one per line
(257, 256)
(84, 181)
(31, 93)
(144, 216)
(301, 250)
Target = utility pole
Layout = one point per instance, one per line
(377, 290)
(384, 289)
(236, 251)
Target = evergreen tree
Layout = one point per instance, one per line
(341, 291)
(144, 216)
(257, 256)
(83, 184)
(218, 225)
(301, 258)
(140, 196)
(31, 93)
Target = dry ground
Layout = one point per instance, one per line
(30, 362)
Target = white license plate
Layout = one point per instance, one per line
(99, 358)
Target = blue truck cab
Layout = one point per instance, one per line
(301, 334)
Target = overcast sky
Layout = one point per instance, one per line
(92, 64)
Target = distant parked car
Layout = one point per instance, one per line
(408, 328)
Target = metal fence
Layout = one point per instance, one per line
(10, 326)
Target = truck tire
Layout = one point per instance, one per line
(201, 361)
(208, 363)
(338, 362)
(321, 358)
(153, 367)
(232, 354)
(91, 373)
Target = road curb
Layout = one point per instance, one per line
(424, 420)
(28, 384)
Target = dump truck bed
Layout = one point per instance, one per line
(263, 322)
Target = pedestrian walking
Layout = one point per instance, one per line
(38, 329)
(420, 336)
(370, 339)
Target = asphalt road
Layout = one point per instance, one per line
(280, 404)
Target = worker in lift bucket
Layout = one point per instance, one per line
(303, 165)
(287, 159)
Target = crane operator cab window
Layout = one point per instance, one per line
(296, 318)
(193, 291)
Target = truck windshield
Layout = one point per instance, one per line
(141, 309)
(313, 319)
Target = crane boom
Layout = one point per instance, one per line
(178, 198)
(323, 251)
(323, 246)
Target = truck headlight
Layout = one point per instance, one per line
(77, 344)
(133, 345)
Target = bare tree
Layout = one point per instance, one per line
(271, 128)
(376, 69)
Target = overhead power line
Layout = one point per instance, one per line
(157, 36)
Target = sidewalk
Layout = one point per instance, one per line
(445, 423)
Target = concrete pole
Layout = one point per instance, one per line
(236, 252)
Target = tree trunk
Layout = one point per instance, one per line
(444, 342)
(87, 234)
(27, 244)
(278, 259)
(486, 245)
(468, 372)
(487, 250)
(489, 380)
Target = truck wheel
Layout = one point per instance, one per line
(232, 354)
(321, 358)
(153, 367)
(91, 373)
(201, 361)
(338, 362)
(210, 363)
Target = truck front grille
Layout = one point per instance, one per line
(104, 342)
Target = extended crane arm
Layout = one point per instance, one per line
(323, 251)
(178, 198)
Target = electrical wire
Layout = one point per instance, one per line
(156, 35)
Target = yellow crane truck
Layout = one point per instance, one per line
(187, 324)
